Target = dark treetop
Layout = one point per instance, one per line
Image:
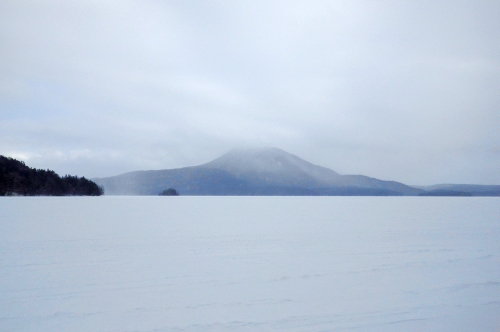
(17, 179)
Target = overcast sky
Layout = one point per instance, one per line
(398, 90)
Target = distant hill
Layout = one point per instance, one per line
(461, 190)
(445, 192)
(269, 171)
(17, 179)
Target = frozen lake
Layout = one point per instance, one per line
(249, 264)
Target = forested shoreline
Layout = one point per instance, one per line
(17, 179)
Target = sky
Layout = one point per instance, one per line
(398, 90)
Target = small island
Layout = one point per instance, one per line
(17, 179)
(169, 192)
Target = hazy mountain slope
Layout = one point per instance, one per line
(187, 181)
(269, 171)
(365, 181)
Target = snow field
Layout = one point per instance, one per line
(249, 264)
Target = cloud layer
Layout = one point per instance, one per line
(406, 91)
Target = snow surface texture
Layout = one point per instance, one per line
(249, 264)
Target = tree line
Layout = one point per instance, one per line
(17, 179)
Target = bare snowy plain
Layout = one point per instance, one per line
(249, 264)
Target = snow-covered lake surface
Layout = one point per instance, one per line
(250, 264)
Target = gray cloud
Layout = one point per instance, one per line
(396, 90)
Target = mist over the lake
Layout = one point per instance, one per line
(404, 91)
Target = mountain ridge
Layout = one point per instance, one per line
(263, 171)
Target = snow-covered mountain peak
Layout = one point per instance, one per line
(270, 161)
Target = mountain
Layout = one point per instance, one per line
(276, 168)
(269, 171)
(17, 179)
